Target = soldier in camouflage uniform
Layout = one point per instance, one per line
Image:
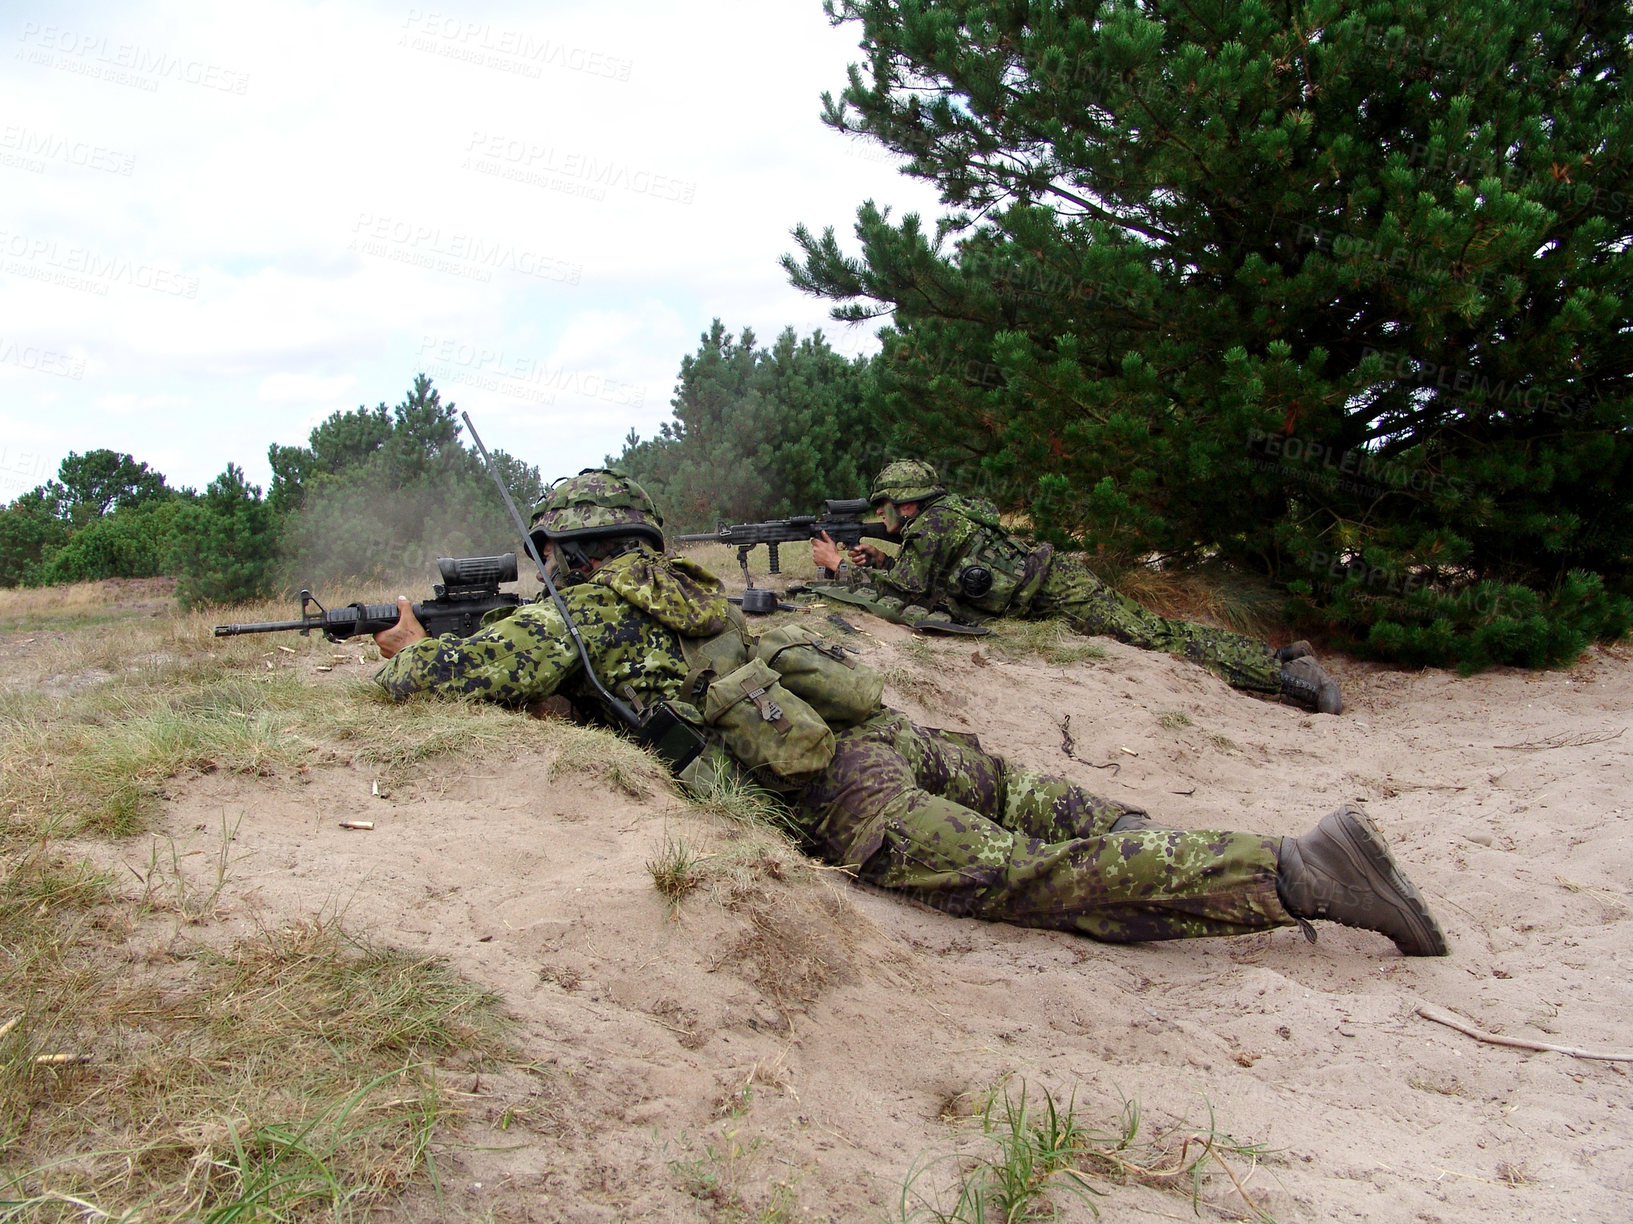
(956, 556)
(925, 812)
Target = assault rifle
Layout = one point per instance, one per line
(841, 519)
(469, 590)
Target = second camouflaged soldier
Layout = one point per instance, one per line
(925, 812)
(956, 557)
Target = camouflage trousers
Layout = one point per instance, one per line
(929, 814)
(1092, 607)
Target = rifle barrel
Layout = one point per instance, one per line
(266, 627)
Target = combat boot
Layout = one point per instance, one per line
(1307, 683)
(1295, 650)
(1342, 871)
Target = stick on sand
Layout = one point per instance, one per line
(1519, 1043)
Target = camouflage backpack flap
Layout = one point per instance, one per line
(780, 739)
(825, 674)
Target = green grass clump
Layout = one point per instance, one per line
(1028, 1154)
(676, 870)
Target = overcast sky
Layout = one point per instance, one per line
(220, 223)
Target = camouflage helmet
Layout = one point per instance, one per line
(905, 480)
(597, 504)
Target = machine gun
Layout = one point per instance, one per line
(841, 520)
(469, 590)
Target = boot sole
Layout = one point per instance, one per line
(1365, 848)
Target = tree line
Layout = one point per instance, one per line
(1339, 295)
(377, 491)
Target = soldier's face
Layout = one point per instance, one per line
(891, 517)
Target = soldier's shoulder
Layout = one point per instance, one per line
(955, 510)
(978, 509)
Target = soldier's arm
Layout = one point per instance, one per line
(929, 550)
(525, 656)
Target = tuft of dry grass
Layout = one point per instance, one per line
(292, 1076)
(1031, 1152)
(1053, 641)
(606, 756)
(1207, 594)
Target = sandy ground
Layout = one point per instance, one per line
(803, 1043)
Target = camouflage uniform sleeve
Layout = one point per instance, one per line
(524, 656)
(933, 543)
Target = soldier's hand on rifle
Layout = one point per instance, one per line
(824, 552)
(404, 633)
(869, 556)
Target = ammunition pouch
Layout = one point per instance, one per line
(826, 674)
(770, 701)
(775, 735)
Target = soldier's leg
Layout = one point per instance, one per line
(875, 807)
(1123, 887)
(1025, 801)
(1092, 607)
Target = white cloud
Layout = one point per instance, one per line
(302, 388)
(285, 217)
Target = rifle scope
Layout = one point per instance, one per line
(477, 571)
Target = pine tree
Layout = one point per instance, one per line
(1339, 291)
(386, 491)
(759, 433)
(224, 543)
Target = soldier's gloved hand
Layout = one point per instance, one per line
(824, 552)
(404, 633)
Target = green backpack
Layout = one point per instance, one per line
(770, 700)
(826, 674)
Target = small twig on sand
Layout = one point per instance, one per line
(1579, 740)
(1519, 1043)
(1066, 741)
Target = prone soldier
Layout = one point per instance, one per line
(925, 812)
(955, 557)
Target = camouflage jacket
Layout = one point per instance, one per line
(631, 614)
(955, 555)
